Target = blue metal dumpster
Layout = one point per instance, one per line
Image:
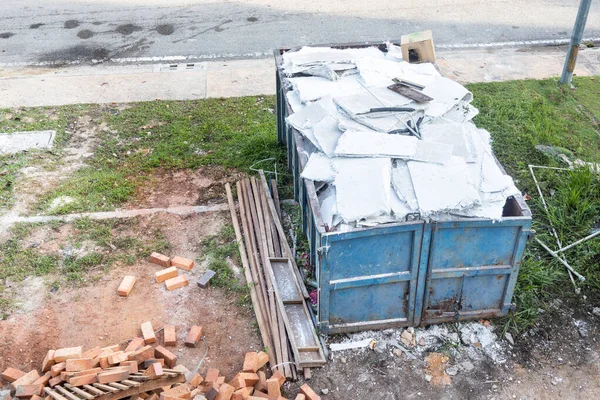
(409, 273)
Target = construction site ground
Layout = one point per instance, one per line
(59, 279)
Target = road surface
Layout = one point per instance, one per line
(39, 32)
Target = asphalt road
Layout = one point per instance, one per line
(36, 32)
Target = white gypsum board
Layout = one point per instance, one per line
(458, 135)
(312, 88)
(362, 187)
(402, 183)
(446, 93)
(375, 144)
(318, 168)
(434, 152)
(327, 134)
(361, 102)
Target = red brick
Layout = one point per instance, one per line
(151, 361)
(273, 387)
(300, 396)
(177, 282)
(279, 376)
(132, 365)
(78, 364)
(259, 395)
(142, 354)
(55, 381)
(61, 355)
(249, 378)
(250, 362)
(48, 361)
(92, 371)
(83, 380)
(225, 392)
(27, 379)
(182, 263)
(36, 397)
(309, 393)
(262, 381)
(117, 357)
(126, 286)
(263, 359)
(170, 358)
(170, 335)
(177, 392)
(242, 394)
(154, 371)
(148, 332)
(12, 374)
(111, 349)
(135, 344)
(165, 274)
(193, 336)
(43, 380)
(211, 375)
(196, 380)
(26, 391)
(113, 376)
(92, 353)
(160, 259)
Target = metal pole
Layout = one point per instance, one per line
(582, 14)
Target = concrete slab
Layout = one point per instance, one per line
(11, 143)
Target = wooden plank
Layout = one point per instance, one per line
(81, 393)
(144, 387)
(117, 385)
(275, 190)
(93, 390)
(308, 348)
(54, 394)
(287, 252)
(105, 388)
(264, 332)
(139, 378)
(130, 383)
(66, 393)
(288, 287)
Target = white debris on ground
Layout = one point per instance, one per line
(466, 343)
(380, 157)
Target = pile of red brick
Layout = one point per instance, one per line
(143, 370)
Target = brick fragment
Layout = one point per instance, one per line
(48, 361)
(154, 371)
(182, 263)
(26, 391)
(132, 365)
(135, 344)
(148, 332)
(92, 353)
(196, 380)
(117, 357)
(111, 349)
(177, 282)
(165, 274)
(78, 364)
(170, 335)
(43, 380)
(225, 392)
(36, 397)
(262, 381)
(211, 375)
(56, 369)
(250, 362)
(126, 285)
(113, 376)
(61, 355)
(263, 359)
(12, 374)
(309, 393)
(160, 259)
(178, 392)
(242, 394)
(170, 358)
(151, 361)
(55, 381)
(273, 387)
(258, 394)
(280, 377)
(300, 396)
(92, 371)
(142, 354)
(26, 379)
(193, 336)
(204, 280)
(83, 380)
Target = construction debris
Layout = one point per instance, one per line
(205, 279)
(388, 140)
(276, 287)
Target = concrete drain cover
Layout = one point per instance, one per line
(11, 143)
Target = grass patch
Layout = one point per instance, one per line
(217, 249)
(521, 115)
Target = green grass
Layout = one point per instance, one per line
(232, 133)
(217, 249)
(521, 115)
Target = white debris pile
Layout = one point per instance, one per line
(378, 156)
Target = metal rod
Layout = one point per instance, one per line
(579, 241)
(563, 262)
(569, 67)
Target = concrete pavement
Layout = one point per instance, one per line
(120, 84)
(42, 32)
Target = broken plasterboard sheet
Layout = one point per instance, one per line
(440, 188)
(493, 178)
(399, 207)
(402, 183)
(375, 144)
(446, 94)
(328, 206)
(489, 210)
(364, 101)
(11, 143)
(294, 101)
(327, 134)
(454, 134)
(318, 168)
(462, 112)
(305, 119)
(362, 187)
(306, 57)
(312, 88)
(381, 73)
(439, 153)
(333, 72)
